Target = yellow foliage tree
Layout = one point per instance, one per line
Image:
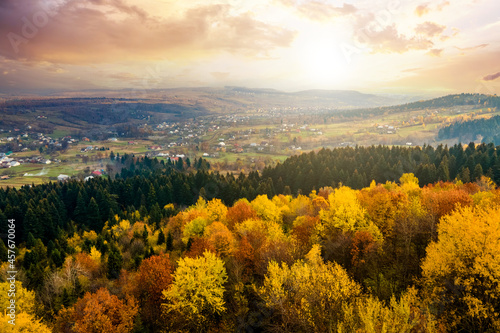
(266, 209)
(95, 254)
(310, 295)
(193, 228)
(216, 210)
(197, 291)
(461, 272)
(24, 318)
(372, 316)
(346, 214)
(24, 323)
(25, 299)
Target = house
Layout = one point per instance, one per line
(14, 163)
(62, 177)
(5, 177)
(97, 173)
(88, 178)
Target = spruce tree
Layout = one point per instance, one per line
(93, 216)
(169, 242)
(161, 237)
(80, 213)
(115, 262)
(478, 172)
(155, 214)
(3, 251)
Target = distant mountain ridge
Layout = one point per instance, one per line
(81, 110)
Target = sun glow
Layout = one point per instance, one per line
(322, 61)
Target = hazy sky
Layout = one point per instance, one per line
(394, 46)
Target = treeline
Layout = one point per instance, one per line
(489, 129)
(390, 257)
(357, 167)
(478, 100)
(146, 184)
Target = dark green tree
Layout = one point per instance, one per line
(161, 237)
(155, 214)
(478, 172)
(3, 251)
(93, 216)
(115, 262)
(169, 242)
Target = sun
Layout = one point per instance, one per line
(322, 61)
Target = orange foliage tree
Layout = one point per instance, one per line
(241, 211)
(98, 312)
(154, 276)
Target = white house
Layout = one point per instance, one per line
(62, 177)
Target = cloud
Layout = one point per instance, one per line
(435, 52)
(421, 10)
(123, 76)
(471, 48)
(491, 77)
(386, 39)
(425, 8)
(442, 5)
(456, 74)
(319, 11)
(90, 31)
(429, 29)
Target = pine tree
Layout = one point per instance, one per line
(32, 224)
(478, 172)
(161, 237)
(3, 224)
(80, 213)
(30, 243)
(169, 242)
(465, 175)
(145, 235)
(115, 262)
(3, 251)
(155, 214)
(443, 172)
(93, 216)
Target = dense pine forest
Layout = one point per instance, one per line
(479, 100)
(488, 128)
(370, 239)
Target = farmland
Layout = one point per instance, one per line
(238, 142)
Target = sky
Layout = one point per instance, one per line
(378, 46)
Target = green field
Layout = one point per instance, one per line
(415, 126)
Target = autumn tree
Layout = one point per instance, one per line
(197, 292)
(98, 312)
(239, 212)
(154, 276)
(462, 270)
(309, 296)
